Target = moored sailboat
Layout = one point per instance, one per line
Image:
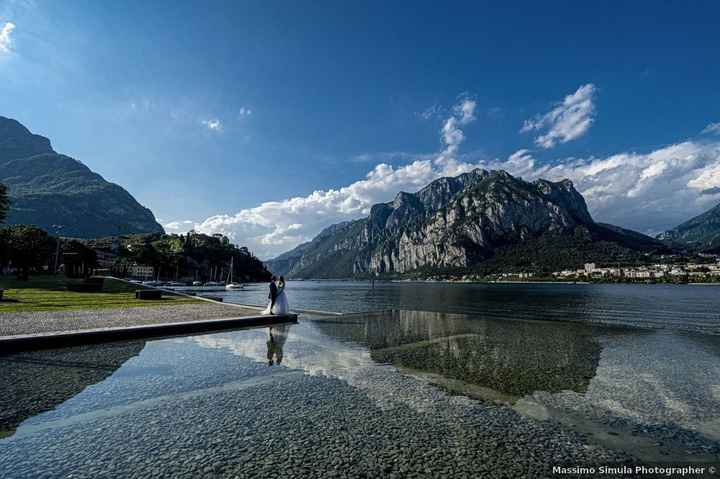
(231, 285)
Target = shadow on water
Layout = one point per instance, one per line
(39, 381)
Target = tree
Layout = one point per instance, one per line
(81, 260)
(4, 203)
(27, 248)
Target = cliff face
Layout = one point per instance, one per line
(62, 195)
(451, 224)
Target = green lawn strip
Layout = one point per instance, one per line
(49, 293)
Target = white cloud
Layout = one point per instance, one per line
(644, 191)
(648, 191)
(713, 128)
(465, 111)
(244, 111)
(213, 124)
(178, 227)
(5, 37)
(569, 120)
(390, 157)
(452, 135)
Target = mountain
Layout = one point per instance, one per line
(481, 221)
(701, 233)
(283, 264)
(62, 195)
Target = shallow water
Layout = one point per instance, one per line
(685, 307)
(398, 392)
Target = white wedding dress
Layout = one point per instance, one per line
(281, 303)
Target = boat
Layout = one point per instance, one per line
(231, 285)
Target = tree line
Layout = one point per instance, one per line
(193, 256)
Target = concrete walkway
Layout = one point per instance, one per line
(42, 330)
(12, 324)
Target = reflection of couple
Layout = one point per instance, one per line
(278, 303)
(277, 335)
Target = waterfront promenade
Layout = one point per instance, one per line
(49, 316)
(55, 321)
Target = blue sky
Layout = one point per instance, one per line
(227, 116)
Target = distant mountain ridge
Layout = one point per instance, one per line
(61, 194)
(701, 233)
(479, 221)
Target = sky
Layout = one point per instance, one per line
(270, 120)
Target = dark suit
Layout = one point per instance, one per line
(273, 295)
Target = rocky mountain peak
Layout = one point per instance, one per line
(404, 199)
(457, 223)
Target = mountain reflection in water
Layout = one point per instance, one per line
(514, 358)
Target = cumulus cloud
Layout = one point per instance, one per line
(213, 124)
(390, 157)
(712, 128)
(570, 119)
(178, 226)
(452, 135)
(465, 111)
(649, 192)
(646, 191)
(6, 38)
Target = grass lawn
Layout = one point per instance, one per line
(49, 293)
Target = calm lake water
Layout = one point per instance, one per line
(686, 307)
(508, 388)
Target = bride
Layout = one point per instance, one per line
(281, 303)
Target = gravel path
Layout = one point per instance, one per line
(53, 321)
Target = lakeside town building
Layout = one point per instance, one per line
(649, 272)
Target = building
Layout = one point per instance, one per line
(143, 272)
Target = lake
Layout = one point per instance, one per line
(498, 381)
(685, 307)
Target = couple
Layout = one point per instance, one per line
(278, 303)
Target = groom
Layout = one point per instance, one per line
(273, 293)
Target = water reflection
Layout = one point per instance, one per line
(626, 389)
(514, 358)
(277, 335)
(35, 382)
